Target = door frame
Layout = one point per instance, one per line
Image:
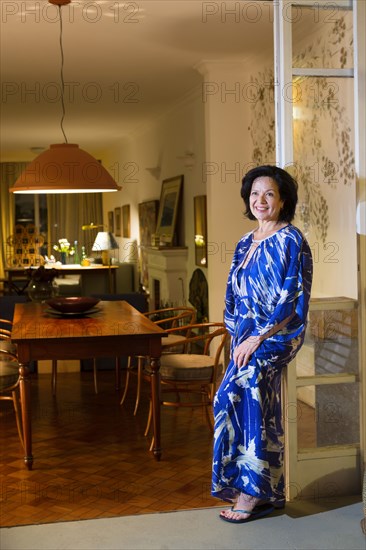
(351, 457)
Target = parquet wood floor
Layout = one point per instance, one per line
(91, 459)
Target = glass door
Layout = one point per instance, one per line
(316, 140)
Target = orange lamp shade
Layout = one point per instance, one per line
(64, 168)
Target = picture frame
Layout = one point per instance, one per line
(148, 215)
(169, 204)
(126, 225)
(111, 222)
(117, 221)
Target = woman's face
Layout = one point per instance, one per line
(265, 201)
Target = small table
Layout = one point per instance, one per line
(86, 272)
(115, 329)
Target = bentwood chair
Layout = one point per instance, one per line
(195, 373)
(5, 336)
(170, 317)
(9, 382)
(5, 329)
(7, 305)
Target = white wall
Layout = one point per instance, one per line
(162, 145)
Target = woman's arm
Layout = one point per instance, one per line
(294, 295)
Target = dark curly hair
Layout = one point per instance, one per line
(287, 187)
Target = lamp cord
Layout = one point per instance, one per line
(62, 77)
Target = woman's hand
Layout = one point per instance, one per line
(244, 350)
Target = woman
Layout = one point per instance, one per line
(267, 301)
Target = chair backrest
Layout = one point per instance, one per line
(205, 333)
(5, 333)
(172, 317)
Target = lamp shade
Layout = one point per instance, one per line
(64, 168)
(104, 241)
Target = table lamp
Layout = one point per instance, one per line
(104, 242)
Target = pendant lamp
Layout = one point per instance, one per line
(64, 167)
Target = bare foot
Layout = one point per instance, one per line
(243, 502)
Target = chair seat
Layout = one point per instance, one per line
(185, 367)
(9, 374)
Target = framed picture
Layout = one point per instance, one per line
(126, 231)
(117, 221)
(168, 209)
(110, 222)
(148, 214)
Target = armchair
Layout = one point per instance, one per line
(9, 382)
(171, 317)
(196, 372)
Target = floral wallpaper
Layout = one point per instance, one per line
(323, 147)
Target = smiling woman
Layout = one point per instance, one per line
(267, 300)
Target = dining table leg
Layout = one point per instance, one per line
(25, 400)
(155, 398)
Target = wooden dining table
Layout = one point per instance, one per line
(112, 329)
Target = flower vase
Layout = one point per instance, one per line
(40, 291)
(63, 258)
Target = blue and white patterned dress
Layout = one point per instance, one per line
(248, 438)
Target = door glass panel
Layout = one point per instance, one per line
(324, 166)
(323, 117)
(322, 38)
(331, 343)
(328, 415)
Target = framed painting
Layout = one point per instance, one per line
(169, 205)
(110, 222)
(126, 231)
(117, 221)
(148, 213)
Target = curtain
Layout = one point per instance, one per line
(68, 213)
(9, 172)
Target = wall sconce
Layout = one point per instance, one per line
(200, 230)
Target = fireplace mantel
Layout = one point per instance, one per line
(167, 267)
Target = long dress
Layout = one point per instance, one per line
(248, 437)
